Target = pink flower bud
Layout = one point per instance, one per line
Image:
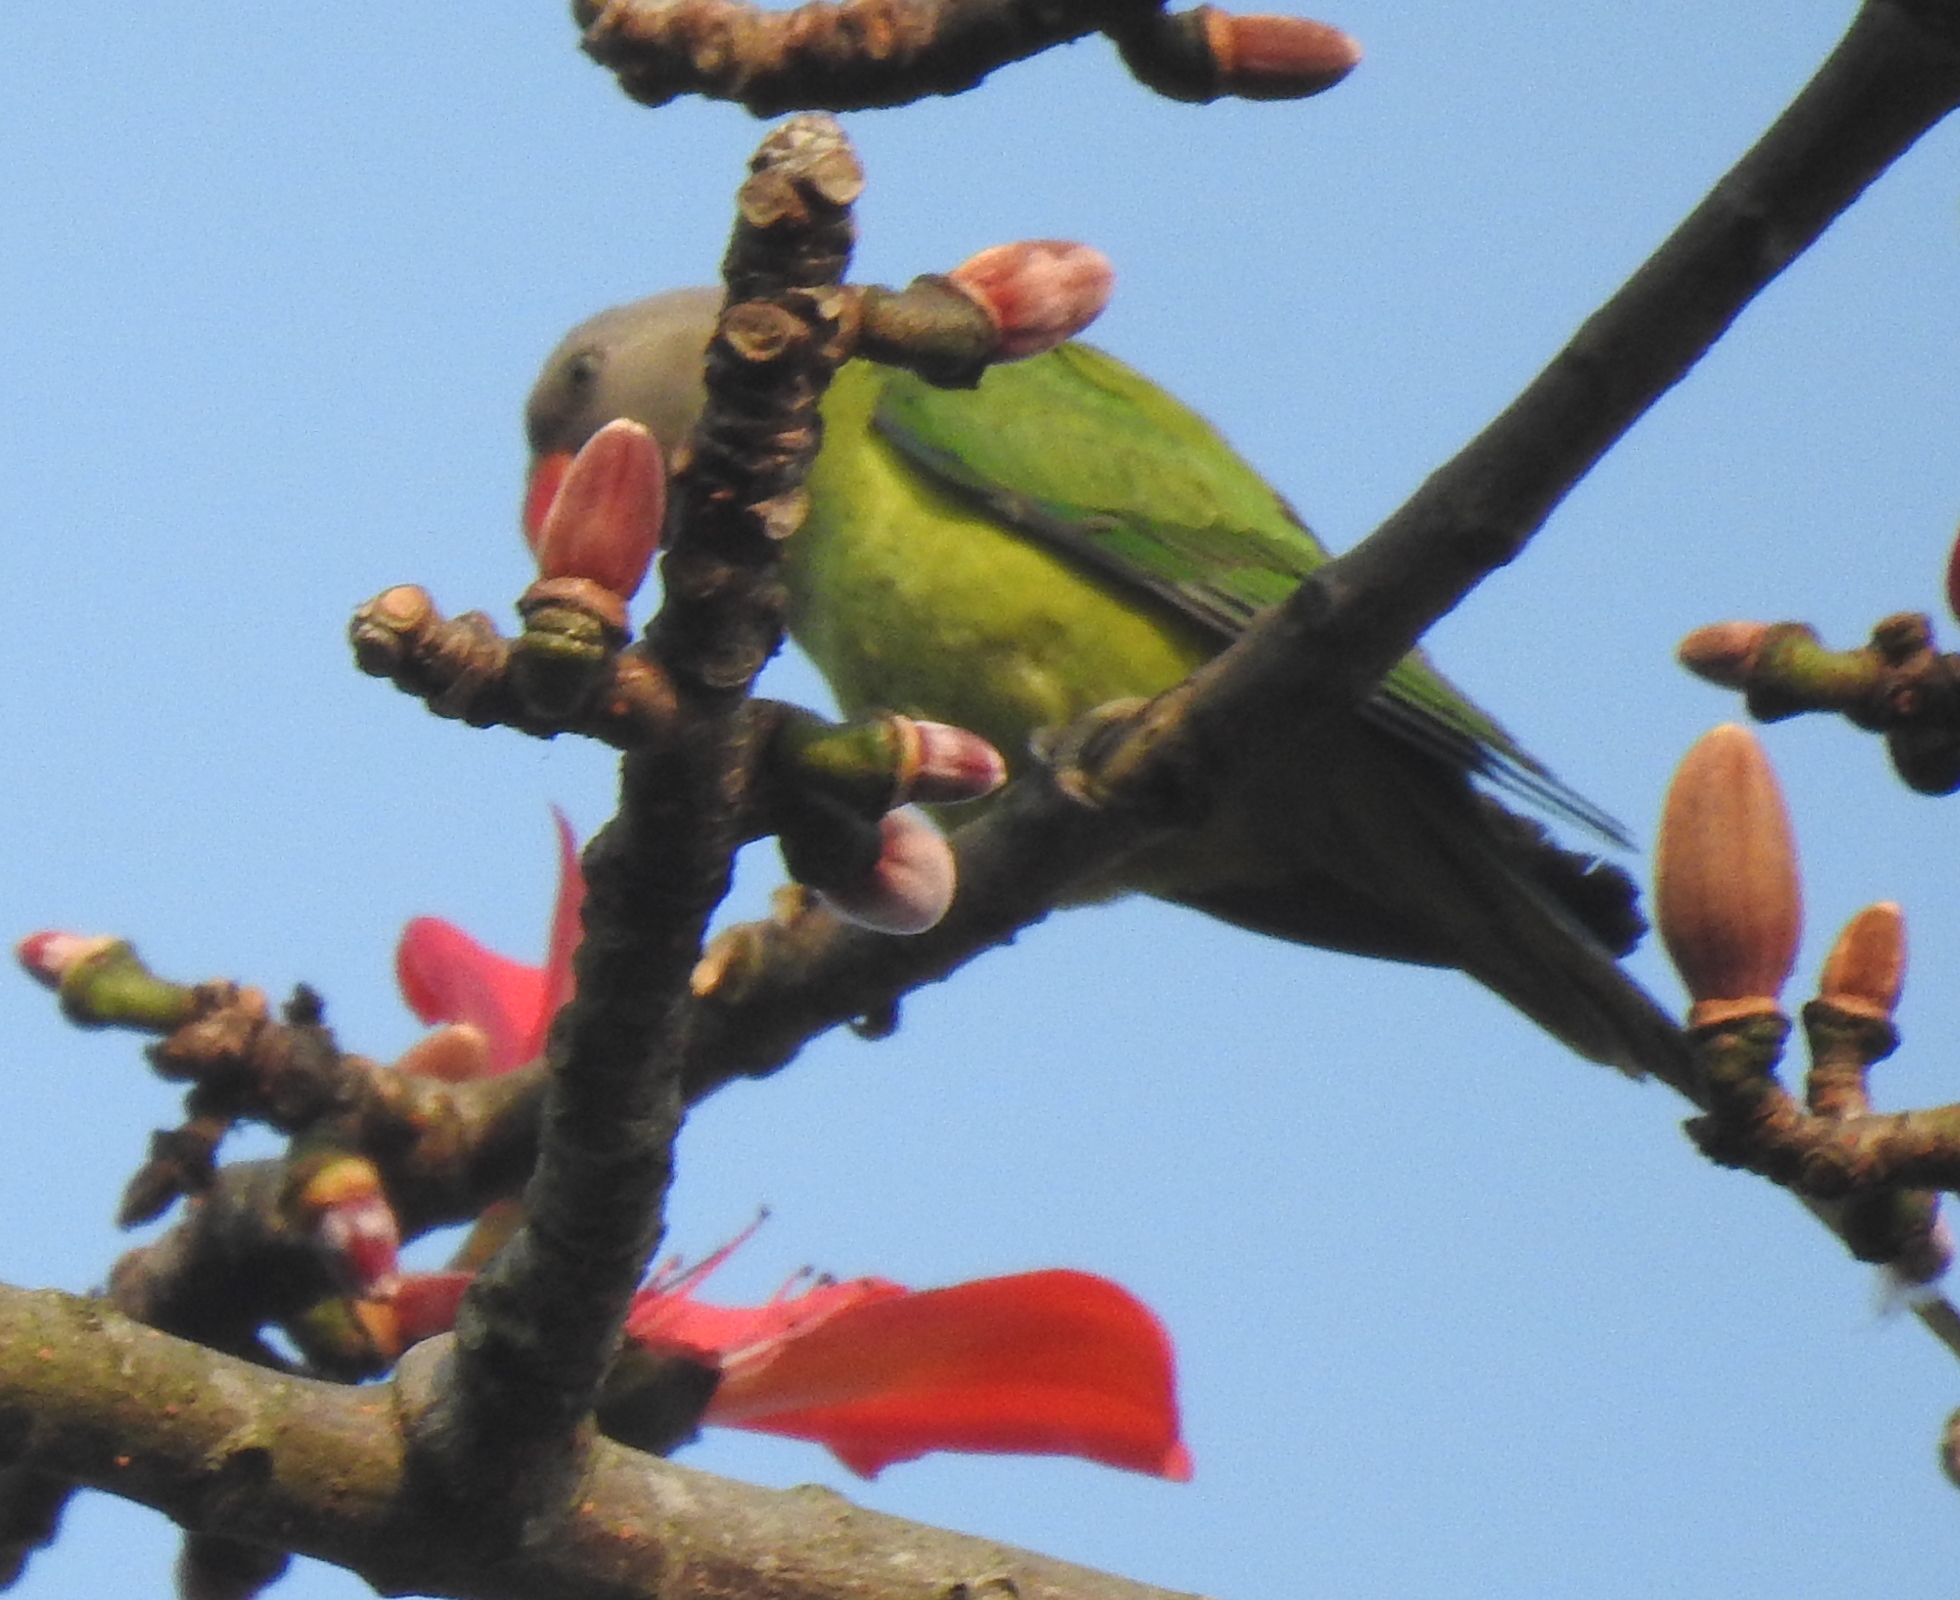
(948, 764)
(912, 885)
(1036, 293)
(1277, 58)
(604, 522)
(49, 957)
(1866, 968)
(355, 1225)
(1723, 652)
(1726, 891)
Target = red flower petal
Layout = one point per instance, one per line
(447, 976)
(426, 1303)
(1044, 1363)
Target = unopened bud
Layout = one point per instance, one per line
(104, 984)
(458, 1053)
(1726, 889)
(1036, 293)
(49, 957)
(911, 886)
(1277, 58)
(943, 764)
(603, 524)
(1723, 652)
(1866, 968)
(355, 1225)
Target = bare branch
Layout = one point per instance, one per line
(855, 54)
(325, 1470)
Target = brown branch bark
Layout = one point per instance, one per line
(327, 1471)
(852, 55)
(539, 1327)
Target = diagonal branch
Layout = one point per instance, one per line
(1893, 76)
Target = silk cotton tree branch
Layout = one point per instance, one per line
(328, 1470)
(539, 1327)
(1123, 778)
(850, 55)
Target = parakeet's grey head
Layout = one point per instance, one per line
(642, 360)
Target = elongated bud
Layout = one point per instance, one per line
(1723, 652)
(1866, 968)
(49, 957)
(603, 524)
(912, 885)
(1727, 894)
(1277, 58)
(944, 764)
(104, 984)
(1036, 293)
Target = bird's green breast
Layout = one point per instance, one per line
(911, 598)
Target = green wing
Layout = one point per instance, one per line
(1077, 451)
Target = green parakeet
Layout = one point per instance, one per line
(1007, 557)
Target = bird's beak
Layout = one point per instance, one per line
(541, 488)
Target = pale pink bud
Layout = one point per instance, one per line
(1723, 652)
(49, 957)
(1866, 968)
(1726, 891)
(910, 888)
(1277, 58)
(1036, 293)
(948, 764)
(604, 523)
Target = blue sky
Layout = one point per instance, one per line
(1455, 1312)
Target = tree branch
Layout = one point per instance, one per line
(327, 1471)
(540, 1325)
(1893, 76)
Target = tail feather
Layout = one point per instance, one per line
(1372, 849)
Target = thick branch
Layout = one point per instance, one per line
(324, 1470)
(540, 1325)
(1892, 77)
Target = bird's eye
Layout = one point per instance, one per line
(583, 369)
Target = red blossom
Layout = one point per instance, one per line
(447, 976)
(1039, 1363)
